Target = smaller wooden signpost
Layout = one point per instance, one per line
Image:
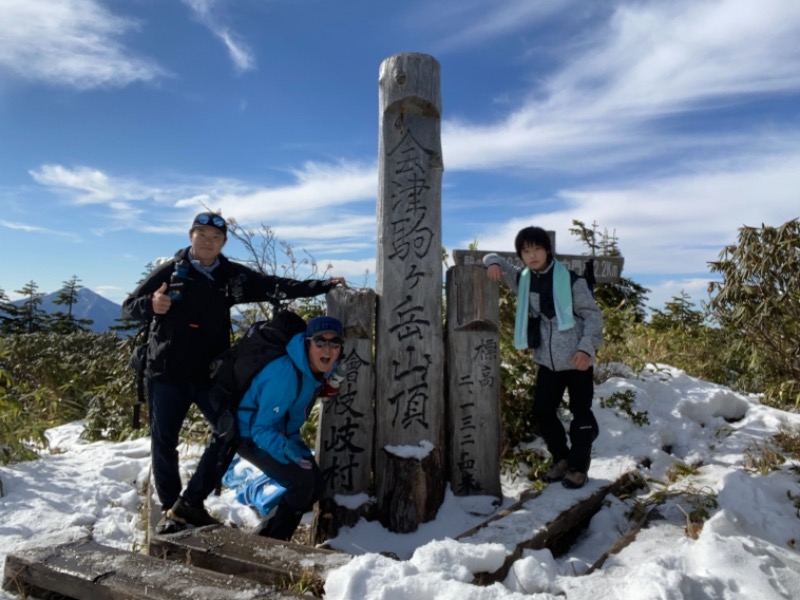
(607, 269)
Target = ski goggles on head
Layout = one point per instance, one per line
(333, 343)
(211, 220)
(215, 220)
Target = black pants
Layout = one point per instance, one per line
(169, 403)
(303, 488)
(550, 387)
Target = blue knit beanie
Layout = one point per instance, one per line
(319, 325)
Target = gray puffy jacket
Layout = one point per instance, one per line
(556, 348)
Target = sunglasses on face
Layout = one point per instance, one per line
(333, 343)
(216, 220)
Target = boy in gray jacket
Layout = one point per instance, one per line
(558, 317)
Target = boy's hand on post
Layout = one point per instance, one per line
(161, 300)
(339, 281)
(494, 272)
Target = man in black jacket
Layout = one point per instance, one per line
(189, 301)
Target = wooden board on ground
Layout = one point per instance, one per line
(235, 552)
(550, 519)
(91, 571)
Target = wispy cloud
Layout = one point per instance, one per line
(674, 192)
(314, 187)
(72, 43)
(320, 202)
(610, 101)
(671, 225)
(239, 51)
(22, 227)
(85, 185)
(475, 21)
(37, 229)
(654, 59)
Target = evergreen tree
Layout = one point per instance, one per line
(125, 326)
(7, 313)
(68, 296)
(30, 316)
(678, 314)
(624, 294)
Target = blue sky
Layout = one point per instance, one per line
(669, 124)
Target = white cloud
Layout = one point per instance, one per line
(71, 43)
(36, 229)
(674, 195)
(313, 205)
(658, 58)
(86, 185)
(316, 188)
(606, 106)
(672, 225)
(240, 53)
(477, 21)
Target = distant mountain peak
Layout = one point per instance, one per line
(89, 305)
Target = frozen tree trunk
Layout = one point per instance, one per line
(473, 373)
(409, 473)
(347, 421)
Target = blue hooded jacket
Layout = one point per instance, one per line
(273, 410)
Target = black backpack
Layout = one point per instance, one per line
(233, 371)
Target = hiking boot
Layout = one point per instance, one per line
(280, 524)
(166, 525)
(186, 514)
(574, 479)
(557, 471)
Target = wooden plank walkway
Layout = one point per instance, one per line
(222, 561)
(551, 518)
(86, 570)
(234, 552)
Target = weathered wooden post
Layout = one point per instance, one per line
(473, 367)
(409, 473)
(346, 428)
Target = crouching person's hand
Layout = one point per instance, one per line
(298, 453)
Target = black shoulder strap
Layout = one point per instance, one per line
(144, 330)
(588, 274)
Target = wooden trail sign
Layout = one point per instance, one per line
(345, 436)
(607, 269)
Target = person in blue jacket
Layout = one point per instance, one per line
(188, 303)
(272, 412)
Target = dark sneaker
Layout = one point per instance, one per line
(187, 514)
(557, 471)
(574, 479)
(166, 525)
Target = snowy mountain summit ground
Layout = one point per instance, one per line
(720, 506)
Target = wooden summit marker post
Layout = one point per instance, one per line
(347, 421)
(473, 368)
(409, 397)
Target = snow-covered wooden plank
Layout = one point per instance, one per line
(234, 552)
(550, 519)
(88, 570)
